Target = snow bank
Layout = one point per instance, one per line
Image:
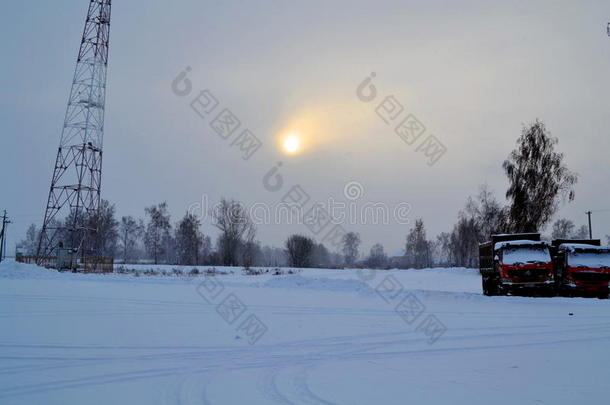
(20, 271)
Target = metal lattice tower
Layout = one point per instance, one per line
(74, 195)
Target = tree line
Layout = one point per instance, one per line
(156, 240)
(538, 182)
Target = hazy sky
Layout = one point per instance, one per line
(472, 72)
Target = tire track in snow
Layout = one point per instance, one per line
(266, 357)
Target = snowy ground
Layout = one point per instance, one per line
(330, 338)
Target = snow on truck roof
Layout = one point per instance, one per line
(511, 234)
(571, 247)
(524, 242)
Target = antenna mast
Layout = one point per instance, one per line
(74, 195)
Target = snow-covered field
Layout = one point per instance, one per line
(324, 337)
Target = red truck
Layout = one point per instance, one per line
(516, 264)
(582, 267)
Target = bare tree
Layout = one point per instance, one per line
(320, 256)
(336, 260)
(206, 250)
(377, 257)
(30, 243)
(489, 215)
(104, 239)
(443, 248)
(299, 249)
(188, 240)
(481, 217)
(581, 233)
(157, 231)
(170, 252)
(566, 229)
(417, 248)
(351, 243)
(130, 230)
(232, 219)
(538, 179)
(464, 242)
(563, 229)
(250, 247)
(274, 256)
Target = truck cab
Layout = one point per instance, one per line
(583, 268)
(516, 264)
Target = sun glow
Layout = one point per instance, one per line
(291, 143)
(319, 127)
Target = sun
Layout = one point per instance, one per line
(292, 143)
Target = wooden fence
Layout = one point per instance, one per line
(87, 265)
(97, 264)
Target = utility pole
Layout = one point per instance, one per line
(2, 236)
(5, 222)
(590, 231)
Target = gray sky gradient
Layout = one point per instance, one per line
(473, 72)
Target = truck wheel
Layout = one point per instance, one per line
(485, 284)
(557, 287)
(499, 289)
(490, 287)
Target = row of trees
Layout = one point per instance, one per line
(131, 239)
(538, 182)
(156, 239)
(303, 251)
(460, 246)
(105, 240)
